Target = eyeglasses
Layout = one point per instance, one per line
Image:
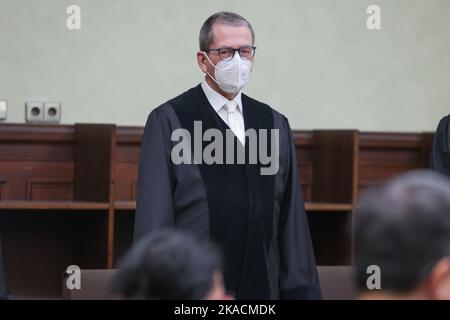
(226, 53)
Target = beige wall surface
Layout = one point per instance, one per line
(316, 60)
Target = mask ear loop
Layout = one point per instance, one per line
(204, 53)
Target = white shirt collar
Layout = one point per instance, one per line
(217, 100)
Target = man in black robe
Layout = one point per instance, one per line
(257, 217)
(440, 151)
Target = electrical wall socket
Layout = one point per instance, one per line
(34, 111)
(3, 107)
(52, 112)
(43, 112)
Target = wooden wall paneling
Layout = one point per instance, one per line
(126, 183)
(4, 190)
(94, 158)
(425, 150)
(95, 230)
(127, 162)
(385, 155)
(49, 190)
(335, 165)
(18, 132)
(37, 243)
(19, 174)
(94, 173)
(335, 172)
(304, 156)
(111, 198)
(34, 152)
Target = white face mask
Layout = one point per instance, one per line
(231, 75)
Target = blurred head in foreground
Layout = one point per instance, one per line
(171, 265)
(403, 229)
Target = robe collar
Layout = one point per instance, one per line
(218, 101)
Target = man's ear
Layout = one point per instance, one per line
(201, 60)
(439, 280)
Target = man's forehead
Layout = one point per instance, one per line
(229, 35)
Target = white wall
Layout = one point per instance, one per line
(316, 61)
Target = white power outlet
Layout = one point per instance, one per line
(52, 112)
(34, 111)
(3, 107)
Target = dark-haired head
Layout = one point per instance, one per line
(170, 265)
(403, 227)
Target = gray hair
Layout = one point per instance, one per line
(229, 18)
(403, 227)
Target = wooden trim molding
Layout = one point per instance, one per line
(36, 184)
(12, 132)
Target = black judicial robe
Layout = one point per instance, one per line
(258, 221)
(440, 152)
(3, 288)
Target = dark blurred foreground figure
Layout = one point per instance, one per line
(170, 265)
(440, 152)
(403, 228)
(3, 288)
